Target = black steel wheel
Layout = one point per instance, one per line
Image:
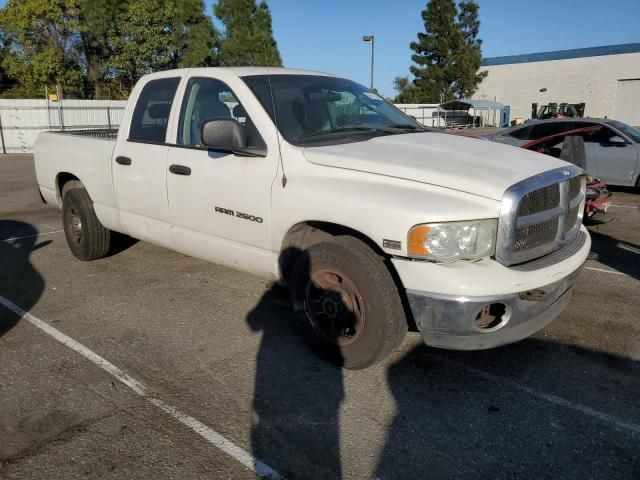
(347, 302)
(87, 238)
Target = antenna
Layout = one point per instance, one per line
(275, 120)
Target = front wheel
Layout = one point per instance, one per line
(87, 238)
(348, 303)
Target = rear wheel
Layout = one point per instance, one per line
(87, 238)
(348, 303)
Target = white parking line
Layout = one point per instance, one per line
(213, 437)
(11, 239)
(605, 271)
(591, 412)
(623, 206)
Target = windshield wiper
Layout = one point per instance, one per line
(407, 126)
(386, 129)
(353, 128)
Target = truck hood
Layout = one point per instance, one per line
(471, 165)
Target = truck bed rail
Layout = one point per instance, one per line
(102, 133)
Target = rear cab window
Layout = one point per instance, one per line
(151, 113)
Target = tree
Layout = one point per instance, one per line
(98, 19)
(195, 41)
(469, 58)
(153, 35)
(41, 40)
(248, 38)
(406, 91)
(140, 40)
(435, 51)
(447, 55)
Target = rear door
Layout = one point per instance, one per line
(139, 163)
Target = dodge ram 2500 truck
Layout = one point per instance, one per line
(374, 222)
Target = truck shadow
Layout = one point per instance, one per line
(119, 243)
(616, 254)
(513, 412)
(20, 282)
(297, 396)
(520, 411)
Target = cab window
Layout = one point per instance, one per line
(207, 99)
(151, 114)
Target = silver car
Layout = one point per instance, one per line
(613, 153)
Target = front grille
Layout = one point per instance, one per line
(540, 200)
(572, 218)
(536, 235)
(539, 215)
(575, 184)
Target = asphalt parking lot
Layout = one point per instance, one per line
(214, 379)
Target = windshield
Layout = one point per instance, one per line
(632, 133)
(319, 109)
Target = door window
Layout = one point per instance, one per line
(604, 135)
(542, 130)
(207, 99)
(520, 134)
(151, 114)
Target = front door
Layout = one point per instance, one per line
(139, 164)
(219, 202)
(616, 161)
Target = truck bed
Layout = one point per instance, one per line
(84, 154)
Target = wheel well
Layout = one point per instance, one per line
(61, 180)
(304, 234)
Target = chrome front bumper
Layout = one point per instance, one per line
(451, 322)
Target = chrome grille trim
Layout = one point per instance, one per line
(568, 220)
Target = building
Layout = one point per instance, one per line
(606, 78)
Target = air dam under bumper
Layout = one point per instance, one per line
(450, 322)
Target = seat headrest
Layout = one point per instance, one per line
(159, 110)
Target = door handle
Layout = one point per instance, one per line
(123, 160)
(179, 169)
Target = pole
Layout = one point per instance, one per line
(4, 148)
(370, 38)
(60, 114)
(372, 57)
(109, 118)
(46, 94)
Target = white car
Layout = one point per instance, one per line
(373, 222)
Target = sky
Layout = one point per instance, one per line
(326, 35)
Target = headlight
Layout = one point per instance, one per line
(446, 242)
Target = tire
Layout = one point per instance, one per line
(87, 238)
(347, 302)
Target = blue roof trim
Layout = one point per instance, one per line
(564, 54)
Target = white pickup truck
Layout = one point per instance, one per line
(375, 223)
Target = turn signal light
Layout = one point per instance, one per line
(415, 243)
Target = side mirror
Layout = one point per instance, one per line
(228, 134)
(617, 140)
(223, 133)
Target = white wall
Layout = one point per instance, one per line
(593, 80)
(423, 112)
(22, 120)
